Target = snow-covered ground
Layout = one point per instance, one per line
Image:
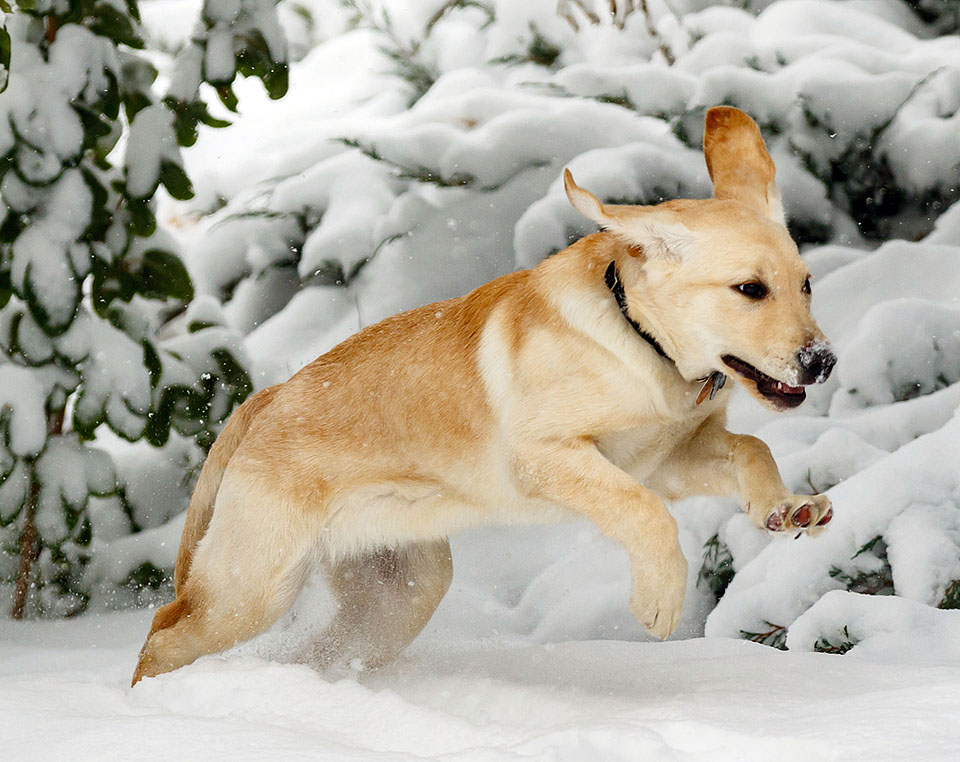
(64, 695)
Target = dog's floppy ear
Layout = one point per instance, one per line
(738, 162)
(659, 232)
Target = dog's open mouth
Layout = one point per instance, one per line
(777, 392)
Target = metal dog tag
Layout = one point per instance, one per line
(711, 385)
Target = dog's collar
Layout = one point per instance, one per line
(612, 278)
(712, 383)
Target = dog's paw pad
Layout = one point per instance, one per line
(809, 514)
(801, 516)
(775, 521)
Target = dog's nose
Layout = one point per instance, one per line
(816, 361)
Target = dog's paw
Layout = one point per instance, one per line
(657, 597)
(798, 513)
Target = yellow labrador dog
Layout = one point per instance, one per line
(590, 386)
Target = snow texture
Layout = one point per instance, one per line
(457, 698)
(151, 142)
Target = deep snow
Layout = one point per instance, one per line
(455, 696)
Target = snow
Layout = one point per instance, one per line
(903, 348)
(218, 61)
(116, 384)
(53, 277)
(879, 626)
(68, 473)
(150, 144)
(647, 172)
(787, 576)
(458, 697)
(301, 332)
(34, 102)
(923, 544)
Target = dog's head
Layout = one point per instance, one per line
(719, 281)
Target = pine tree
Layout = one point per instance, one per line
(87, 279)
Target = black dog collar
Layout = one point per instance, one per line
(612, 278)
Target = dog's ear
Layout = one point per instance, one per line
(738, 162)
(583, 200)
(658, 232)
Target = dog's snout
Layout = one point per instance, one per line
(816, 361)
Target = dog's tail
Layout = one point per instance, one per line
(205, 493)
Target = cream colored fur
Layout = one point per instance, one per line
(529, 399)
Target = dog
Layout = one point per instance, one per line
(593, 385)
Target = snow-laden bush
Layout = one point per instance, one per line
(860, 110)
(90, 287)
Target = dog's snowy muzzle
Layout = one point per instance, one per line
(815, 360)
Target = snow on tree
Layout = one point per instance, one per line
(96, 340)
(493, 119)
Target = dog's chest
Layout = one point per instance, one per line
(640, 450)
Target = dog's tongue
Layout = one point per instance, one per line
(787, 389)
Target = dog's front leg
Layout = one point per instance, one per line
(575, 475)
(715, 462)
(765, 497)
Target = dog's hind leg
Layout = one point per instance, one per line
(245, 574)
(386, 597)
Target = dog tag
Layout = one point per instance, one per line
(711, 385)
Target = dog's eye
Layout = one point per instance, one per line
(752, 290)
(806, 286)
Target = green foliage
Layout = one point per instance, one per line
(163, 276)
(860, 179)
(4, 54)
(951, 596)
(942, 15)
(716, 568)
(175, 180)
(825, 646)
(869, 572)
(189, 116)
(194, 411)
(60, 580)
(148, 584)
(81, 259)
(774, 636)
(540, 51)
(406, 56)
(108, 21)
(254, 60)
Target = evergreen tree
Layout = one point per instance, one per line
(87, 280)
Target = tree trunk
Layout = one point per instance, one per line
(28, 549)
(28, 534)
